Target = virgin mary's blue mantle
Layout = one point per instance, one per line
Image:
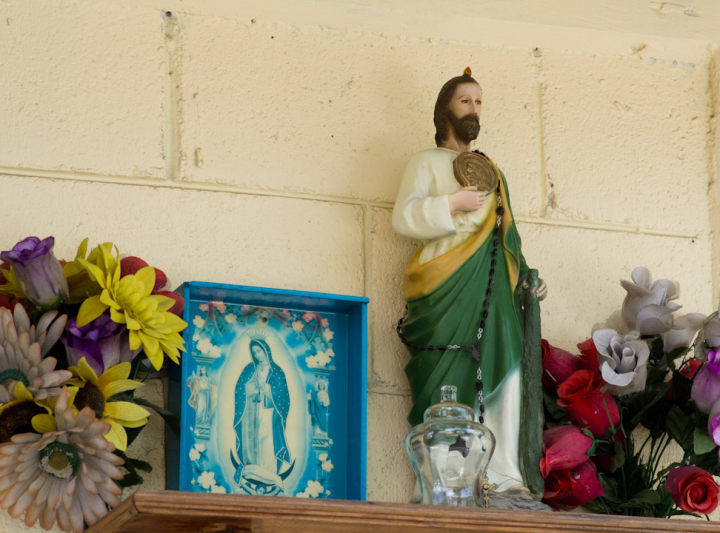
(271, 393)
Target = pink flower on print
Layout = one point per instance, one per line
(325, 323)
(219, 306)
(204, 307)
(286, 312)
(307, 317)
(245, 308)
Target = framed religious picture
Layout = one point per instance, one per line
(271, 394)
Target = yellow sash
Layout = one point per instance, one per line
(421, 280)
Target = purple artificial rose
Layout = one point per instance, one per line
(706, 385)
(38, 272)
(714, 424)
(103, 343)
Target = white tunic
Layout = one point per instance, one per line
(422, 210)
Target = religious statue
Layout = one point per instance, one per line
(203, 397)
(318, 407)
(262, 403)
(463, 325)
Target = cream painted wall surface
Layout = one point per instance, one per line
(263, 144)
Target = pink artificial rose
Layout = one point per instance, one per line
(558, 365)
(706, 384)
(565, 447)
(570, 488)
(692, 489)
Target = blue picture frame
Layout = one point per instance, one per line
(271, 394)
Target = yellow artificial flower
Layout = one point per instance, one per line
(96, 390)
(11, 287)
(79, 282)
(132, 303)
(17, 414)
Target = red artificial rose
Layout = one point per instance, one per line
(692, 489)
(690, 369)
(558, 365)
(585, 404)
(567, 489)
(565, 447)
(160, 280)
(179, 302)
(130, 265)
(588, 355)
(7, 303)
(580, 385)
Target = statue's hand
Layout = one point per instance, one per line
(466, 199)
(539, 288)
(541, 291)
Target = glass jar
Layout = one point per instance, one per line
(450, 452)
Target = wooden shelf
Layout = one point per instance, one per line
(175, 512)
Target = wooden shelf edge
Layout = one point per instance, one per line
(224, 512)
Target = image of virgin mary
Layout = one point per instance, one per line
(261, 457)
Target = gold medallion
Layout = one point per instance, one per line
(476, 170)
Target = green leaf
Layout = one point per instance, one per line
(657, 352)
(142, 465)
(667, 469)
(593, 449)
(647, 496)
(680, 428)
(680, 512)
(655, 418)
(596, 506)
(612, 488)
(132, 434)
(619, 458)
(645, 399)
(553, 409)
(169, 418)
(702, 443)
(677, 353)
(132, 478)
(681, 387)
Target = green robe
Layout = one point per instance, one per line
(451, 314)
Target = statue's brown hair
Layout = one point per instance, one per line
(443, 102)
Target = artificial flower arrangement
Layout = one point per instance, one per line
(658, 371)
(77, 338)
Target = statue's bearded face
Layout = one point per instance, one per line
(464, 111)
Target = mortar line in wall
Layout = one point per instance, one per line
(171, 135)
(541, 152)
(233, 189)
(367, 283)
(599, 226)
(713, 144)
(185, 185)
(389, 392)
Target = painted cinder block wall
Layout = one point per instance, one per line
(264, 144)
